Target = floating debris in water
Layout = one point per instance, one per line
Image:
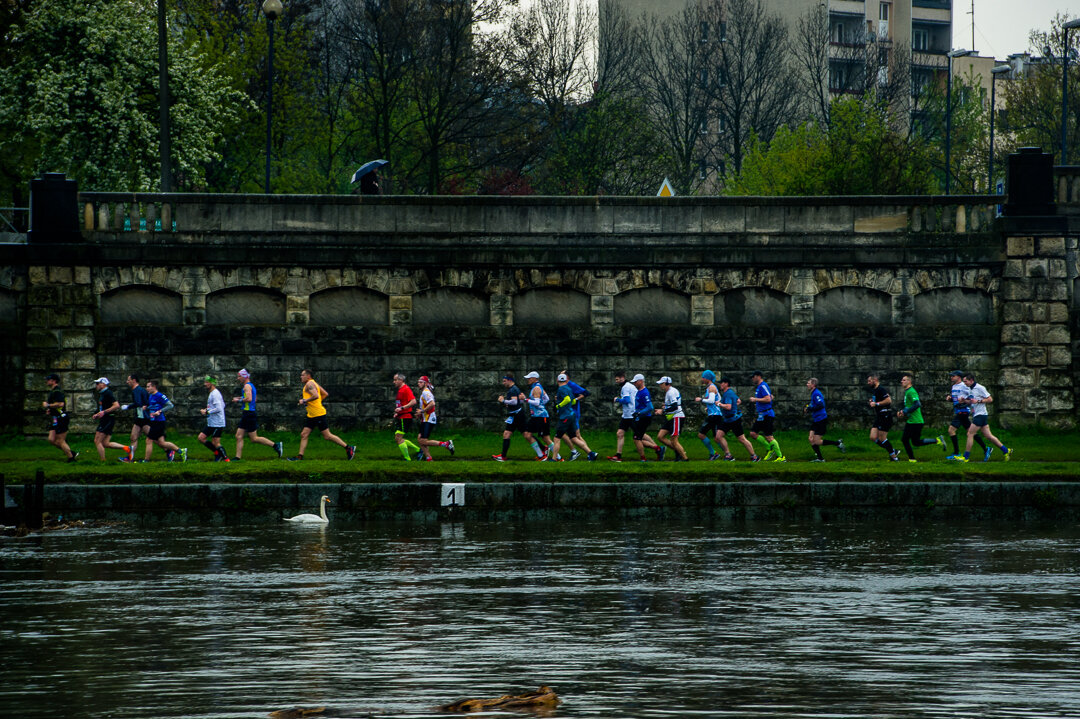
(542, 698)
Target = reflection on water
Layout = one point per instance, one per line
(623, 618)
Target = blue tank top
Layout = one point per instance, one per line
(250, 406)
(542, 410)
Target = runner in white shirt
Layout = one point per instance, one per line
(215, 421)
(673, 417)
(977, 398)
(625, 401)
(428, 421)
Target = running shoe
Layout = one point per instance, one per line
(1008, 454)
(714, 456)
(498, 458)
(952, 458)
(963, 459)
(419, 455)
(543, 458)
(429, 459)
(986, 455)
(297, 458)
(941, 441)
(781, 458)
(219, 458)
(131, 453)
(450, 446)
(553, 459)
(755, 458)
(73, 457)
(279, 447)
(660, 452)
(817, 460)
(592, 456)
(769, 456)
(840, 446)
(170, 455)
(183, 454)
(574, 454)
(615, 459)
(912, 461)
(125, 460)
(236, 459)
(894, 457)
(729, 458)
(350, 451)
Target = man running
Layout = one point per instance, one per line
(626, 401)
(539, 430)
(404, 404)
(673, 417)
(249, 419)
(567, 426)
(140, 425)
(580, 393)
(643, 412)
(210, 436)
(157, 404)
(106, 417)
(311, 399)
(977, 398)
(516, 420)
(765, 422)
(961, 419)
(710, 428)
(880, 402)
(912, 410)
(819, 421)
(428, 420)
(55, 406)
(731, 421)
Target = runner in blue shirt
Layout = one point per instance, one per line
(731, 421)
(643, 411)
(819, 424)
(565, 400)
(579, 393)
(157, 404)
(710, 428)
(765, 421)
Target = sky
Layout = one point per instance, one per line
(1002, 26)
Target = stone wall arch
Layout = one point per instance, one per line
(245, 306)
(551, 306)
(752, 306)
(141, 305)
(652, 306)
(170, 279)
(954, 306)
(452, 306)
(852, 306)
(348, 306)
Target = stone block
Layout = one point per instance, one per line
(1009, 399)
(702, 317)
(1014, 268)
(1053, 334)
(1059, 356)
(723, 218)
(38, 275)
(61, 275)
(1014, 312)
(1036, 356)
(194, 316)
(43, 296)
(1057, 312)
(1054, 378)
(1018, 377)
(1020, 246)
(1037, 312)
(298, 318)
(1060, 400)
(1051, 246)
(502, 318)
(1016, 334)
(39, 338)
(1059, 270)
(77, 295)
(602, 302)
(1036, 400)
(83, 318)
(1037, 268)
(82, 275)
(603, 317)
(1018, 290)
(768, 219)
(1051, 291)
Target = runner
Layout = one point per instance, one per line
(210, 436)
(140, 425)
(311, 399)
(643, 411)
(731, 422)
(106, 417)
(516, 420)
(157, 404)
(912, 436)
(404, 402)
(539, 429)
(880, 402)
(710, 428)
(567, 426)
(626, 401)
(55, 406)
(249, 419)
(961, 419)
(427, 425)
(673, 417)
(765, 422)
(977, 399)
(580, 393)
(819, 421)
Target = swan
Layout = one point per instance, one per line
(320, 518)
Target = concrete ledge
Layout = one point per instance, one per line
(817, 501)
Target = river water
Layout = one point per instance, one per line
(623, 618)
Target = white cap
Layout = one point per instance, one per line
(563, 378)
(664, 380)
(102, 380)
(533, 375)
(638, 378)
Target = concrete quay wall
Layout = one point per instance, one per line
(767, 500)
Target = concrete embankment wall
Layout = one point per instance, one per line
(809, 501)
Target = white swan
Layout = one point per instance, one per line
(320, 518)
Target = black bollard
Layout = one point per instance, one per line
(38, 507)
(3, 502)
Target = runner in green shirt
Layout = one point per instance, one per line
(913, 412)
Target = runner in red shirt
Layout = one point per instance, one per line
(403, 416)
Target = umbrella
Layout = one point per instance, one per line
(368, 167)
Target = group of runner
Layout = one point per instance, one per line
(528, 413)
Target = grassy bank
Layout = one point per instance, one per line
(1039, 454)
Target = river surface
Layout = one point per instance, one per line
(623, 618)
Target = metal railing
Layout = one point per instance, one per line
(14, 219)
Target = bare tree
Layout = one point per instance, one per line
(755, 89)
(618, 50)
(810, 50)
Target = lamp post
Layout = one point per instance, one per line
(953, 54)
(163, 101)
(994, 72)
(272, 9)
(1071, 25)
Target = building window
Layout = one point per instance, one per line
(883, 11)
(920, 40)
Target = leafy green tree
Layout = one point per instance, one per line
(79, 95)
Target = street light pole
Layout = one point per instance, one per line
(272, 9)
(994, 72)
(1071, 25)
(952, 55)
(164, 145)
